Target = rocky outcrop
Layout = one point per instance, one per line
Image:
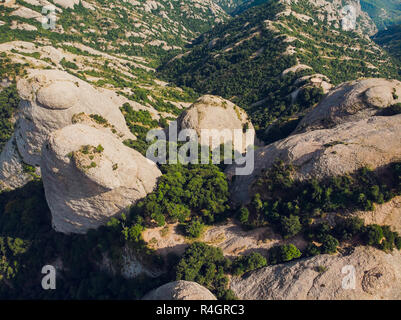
(326, 277)
(12, 173)
(388, 213)
(215, 113)
(345, 132)
(352, 101)
(51, 100)
(180, 290)
(67, 3)
(89, 176)
(335, 11)
(319, 154)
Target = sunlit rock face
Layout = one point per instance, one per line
(89, 176)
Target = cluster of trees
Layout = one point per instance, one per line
(207, 266)
(9, 249)
(141, 116)
(27, 243)
(246, 263)
(139, 121)
(283, 253)
(9, 101)
(68, 64)
(185, 192)
(291, 206)
(9, 98)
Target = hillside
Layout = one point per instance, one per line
(135, 28)
(390, 40)
(263, 57)
(229, 6)
(383, 12)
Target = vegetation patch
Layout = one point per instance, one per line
(291, 207)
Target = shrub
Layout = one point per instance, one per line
(329, 244)
(283, 253)
(205, 265)
(312, 250)
(348, 228)
(290, 226)
(248, 263)
(243, 215)
(194, 228)
(373, 235)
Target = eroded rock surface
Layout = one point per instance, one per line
(51, 100)
(319, 154)
(346, 131)
(215, 113)
(377, 276)
(352, 101)
(180, 290)
(89, 176)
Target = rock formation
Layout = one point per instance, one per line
(354, 138)
(377, 276)
(216, 113)
(352, 101)
(180, 290)
(89, 176)
(335, 10)
(51, 100)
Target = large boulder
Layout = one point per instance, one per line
(377, 276)
(180, 290)
(215, 113)
(352, 101)
(319, 154)
(51, 100)
(89, 176)
(349, 129)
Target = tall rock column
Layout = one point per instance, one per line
(89, 176)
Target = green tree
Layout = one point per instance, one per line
(290, 226)
(283, 253)
(244, 215)
(373, 235)
(194, 228)
(205, 265)
(329, 244)
(248, 263)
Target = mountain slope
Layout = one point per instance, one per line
(390, 40)
(263, 57)
(144, 28)
(383, 12)
(230, 5)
